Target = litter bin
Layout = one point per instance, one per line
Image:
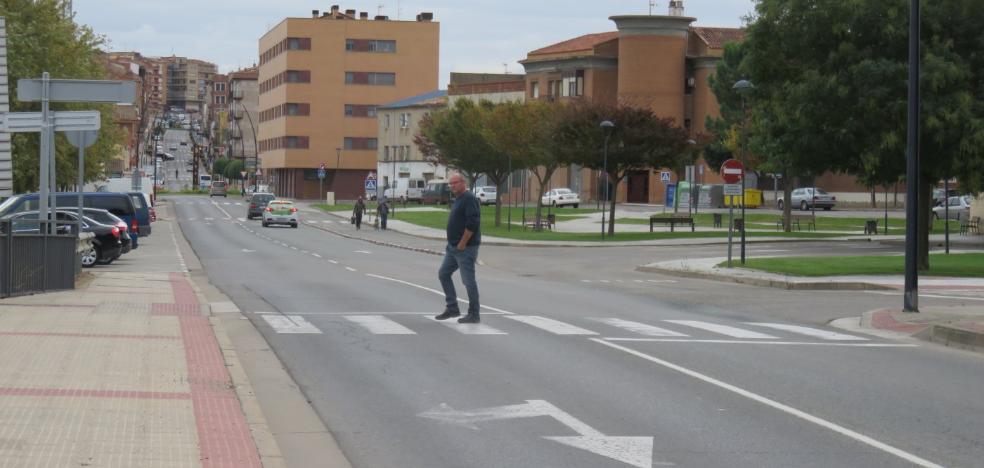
(330, 198)
(871, 226)
(717, 220)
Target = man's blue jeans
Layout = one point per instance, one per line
(463, 260)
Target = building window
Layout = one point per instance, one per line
(386, 121)
(298, 76)
(295, 142)
(534, 89)
(405, 120)
(360, 143)
(370, 78)
(360, 110)
(573, 85)
(220, 87)
(370, 45)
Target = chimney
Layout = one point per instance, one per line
(363, 15)
(381, 18)
(425, 16)
(334, 10)
(350, 13)
(315, 13)
(676, 7)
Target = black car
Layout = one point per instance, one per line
(106, 245)
(257, 203)
(109, 219)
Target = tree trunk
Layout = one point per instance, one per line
(613, 196)
(787, 201)
(498, 207)
(925, 221)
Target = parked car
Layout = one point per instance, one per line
(281, 212)
(106, 245)
(218, 189)
(258, 203)
(438, 192)
(109, 219)
(559, 197)
(120, 204)
(142, 204)
(959, 208)
(811, 197)
(404, 190)
(939, 197)
(486, 194)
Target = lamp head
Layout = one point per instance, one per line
(743, 86)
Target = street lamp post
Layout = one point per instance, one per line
(607, 126)
(743, 86)
(334, 178)
(256, 149)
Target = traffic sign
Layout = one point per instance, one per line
(65, 121)
(321, 172)
(29, 89)
(732, 171)
(242, 174)
(371, 176)
(370, 185)
(664, 176)
(732, 189)
(258, 172)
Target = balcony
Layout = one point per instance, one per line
(237, 94)
(236, 133)
(237, 114)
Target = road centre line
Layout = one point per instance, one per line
(775, 404)
(350, 269)
(804, 343)
(440, 293)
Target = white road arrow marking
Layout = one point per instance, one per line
(635, 451)
(248, 251)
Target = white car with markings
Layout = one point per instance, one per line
(281, 212)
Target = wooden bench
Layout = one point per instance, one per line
(548, 221)
(672, 220)
(798, 220)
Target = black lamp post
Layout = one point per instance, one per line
(607, 126)
(338, 158)
(743, 86)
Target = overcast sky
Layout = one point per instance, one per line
(487, 36)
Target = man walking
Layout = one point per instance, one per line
(464, 237)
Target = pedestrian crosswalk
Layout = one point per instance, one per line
(667, 330)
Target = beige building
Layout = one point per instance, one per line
(660, 62)
(399, 159)
(189, 82)
(492, 87)
(321, 80)
(244, 93)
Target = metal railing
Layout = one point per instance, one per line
(32, 262)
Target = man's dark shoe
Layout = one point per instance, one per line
(448, 313)
(469, 318)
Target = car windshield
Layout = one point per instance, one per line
(488, 189)
(563, 191)
(820, 191)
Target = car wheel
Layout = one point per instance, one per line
(575, 205)
(780, 204)
(804, 206)
(293, 225)
(554, 204)
(89, 257)
(827, 208)
(265, 224)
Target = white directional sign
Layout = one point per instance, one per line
(65, 121)
(29, 89)
(732, 189)
(634, 451)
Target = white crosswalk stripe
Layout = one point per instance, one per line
(291, 324)
(553, 326)
(640, 328)
(379, 325)
(723, 329)
(814, 332)
(470, 328)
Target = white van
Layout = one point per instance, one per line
(204, 181)
(405, 190)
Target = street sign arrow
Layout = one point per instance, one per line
(635, 451)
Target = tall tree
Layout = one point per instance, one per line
(41, 39)
(639, 141)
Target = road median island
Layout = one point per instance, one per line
(963, 265)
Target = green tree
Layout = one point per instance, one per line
(219, 165)
(639, 141)
(233, 169)
(40, 39)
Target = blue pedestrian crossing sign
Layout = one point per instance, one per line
(370, 185)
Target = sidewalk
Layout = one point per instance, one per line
(958, 326)
(132, 369)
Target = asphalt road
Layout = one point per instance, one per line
(182, 155)
(643, 370)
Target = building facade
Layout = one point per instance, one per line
(659, 62)
(321, 80)
(189, 82)
(492, 87)
(244, 92)
(398, 156)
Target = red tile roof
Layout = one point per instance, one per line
(715, 38)
(585, 42)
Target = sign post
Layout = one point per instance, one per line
(371, 184)
(321, 180)
(81, 139)
(732, 171)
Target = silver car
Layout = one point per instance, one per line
(811, 197)
(959, 208)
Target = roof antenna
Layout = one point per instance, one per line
(652, 4)
(379, 9)
(505, 68)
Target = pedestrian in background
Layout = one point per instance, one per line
(464, 237)
(382, 212)
(360, 208)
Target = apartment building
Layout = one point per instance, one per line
(493, 87)
(321, 80)
(244, 92)
(189, 82)
(399, 158)
(660, 62)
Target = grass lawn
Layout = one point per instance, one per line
(824, 223)
(960, 265)
(439, 220)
